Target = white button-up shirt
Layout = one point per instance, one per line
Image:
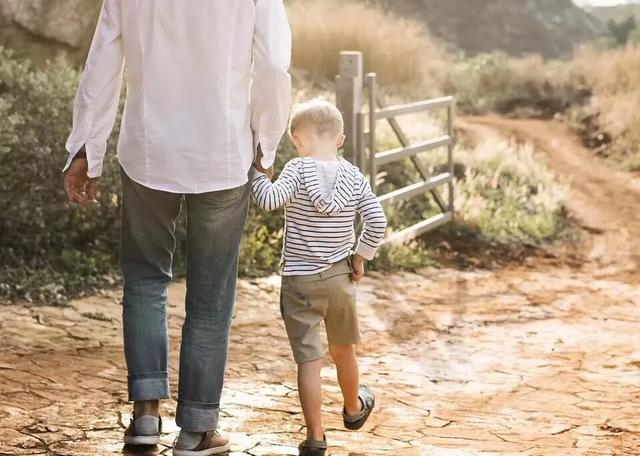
(207, 81)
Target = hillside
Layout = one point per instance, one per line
(549, 27)
(616, 13)
(45, 29)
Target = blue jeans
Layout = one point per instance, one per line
(215, 224)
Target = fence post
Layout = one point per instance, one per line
(349, 99)
(372, 86)
(361, 158)
(451, 133)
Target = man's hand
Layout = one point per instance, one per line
(358, 268)
(257, 164)
(79, 188)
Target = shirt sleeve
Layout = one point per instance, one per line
(96, 103)
(271, 196)
(374, 220)
(271, 82)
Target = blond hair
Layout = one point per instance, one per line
(323, 116)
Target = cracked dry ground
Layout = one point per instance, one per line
(538, 359)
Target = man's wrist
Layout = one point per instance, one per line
(81, 154)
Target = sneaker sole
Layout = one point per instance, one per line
(207, 452)
(142, 440)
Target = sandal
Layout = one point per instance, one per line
(368, 401)
(312, 447)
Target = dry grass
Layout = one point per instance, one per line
(615, 83)
(402, 52)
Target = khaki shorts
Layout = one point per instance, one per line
(305, 301)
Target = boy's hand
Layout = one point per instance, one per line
(257, 164)
(358, 268)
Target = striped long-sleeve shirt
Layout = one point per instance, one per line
(319, 229)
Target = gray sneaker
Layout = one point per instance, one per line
(211, 443)
(144, 430)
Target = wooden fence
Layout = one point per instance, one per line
(361, 146)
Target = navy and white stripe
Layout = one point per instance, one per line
(319, 230)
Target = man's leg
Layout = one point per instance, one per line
(147, 246)
(344, 356)
(310, 392)
(215, 225)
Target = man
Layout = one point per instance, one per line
(207, 90)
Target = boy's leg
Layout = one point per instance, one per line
(343, 333)
(344, 356)
(215, 225)
(147, 245)
(303, 305)
(310, 392)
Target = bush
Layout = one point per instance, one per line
(402, 52)
(615, 106)
(526, 86)
(623, 32)
(48, 249)
(509, 194)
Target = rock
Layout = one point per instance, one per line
(45, 30)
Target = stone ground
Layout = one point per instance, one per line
(534, 359)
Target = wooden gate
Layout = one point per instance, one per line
(361, 144)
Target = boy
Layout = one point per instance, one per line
(321, 194)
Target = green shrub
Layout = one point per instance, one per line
(48, 249)
(509, 194)
(480, 82)
(526, 86)
(623, 31)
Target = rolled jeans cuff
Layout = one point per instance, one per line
(197, 416)
(149, 386)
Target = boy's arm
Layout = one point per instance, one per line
(374, 220)
(271, 196)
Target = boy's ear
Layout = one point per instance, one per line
(340, 141)
(296, 141)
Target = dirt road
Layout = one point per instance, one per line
(604, 201)
(534, 359)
